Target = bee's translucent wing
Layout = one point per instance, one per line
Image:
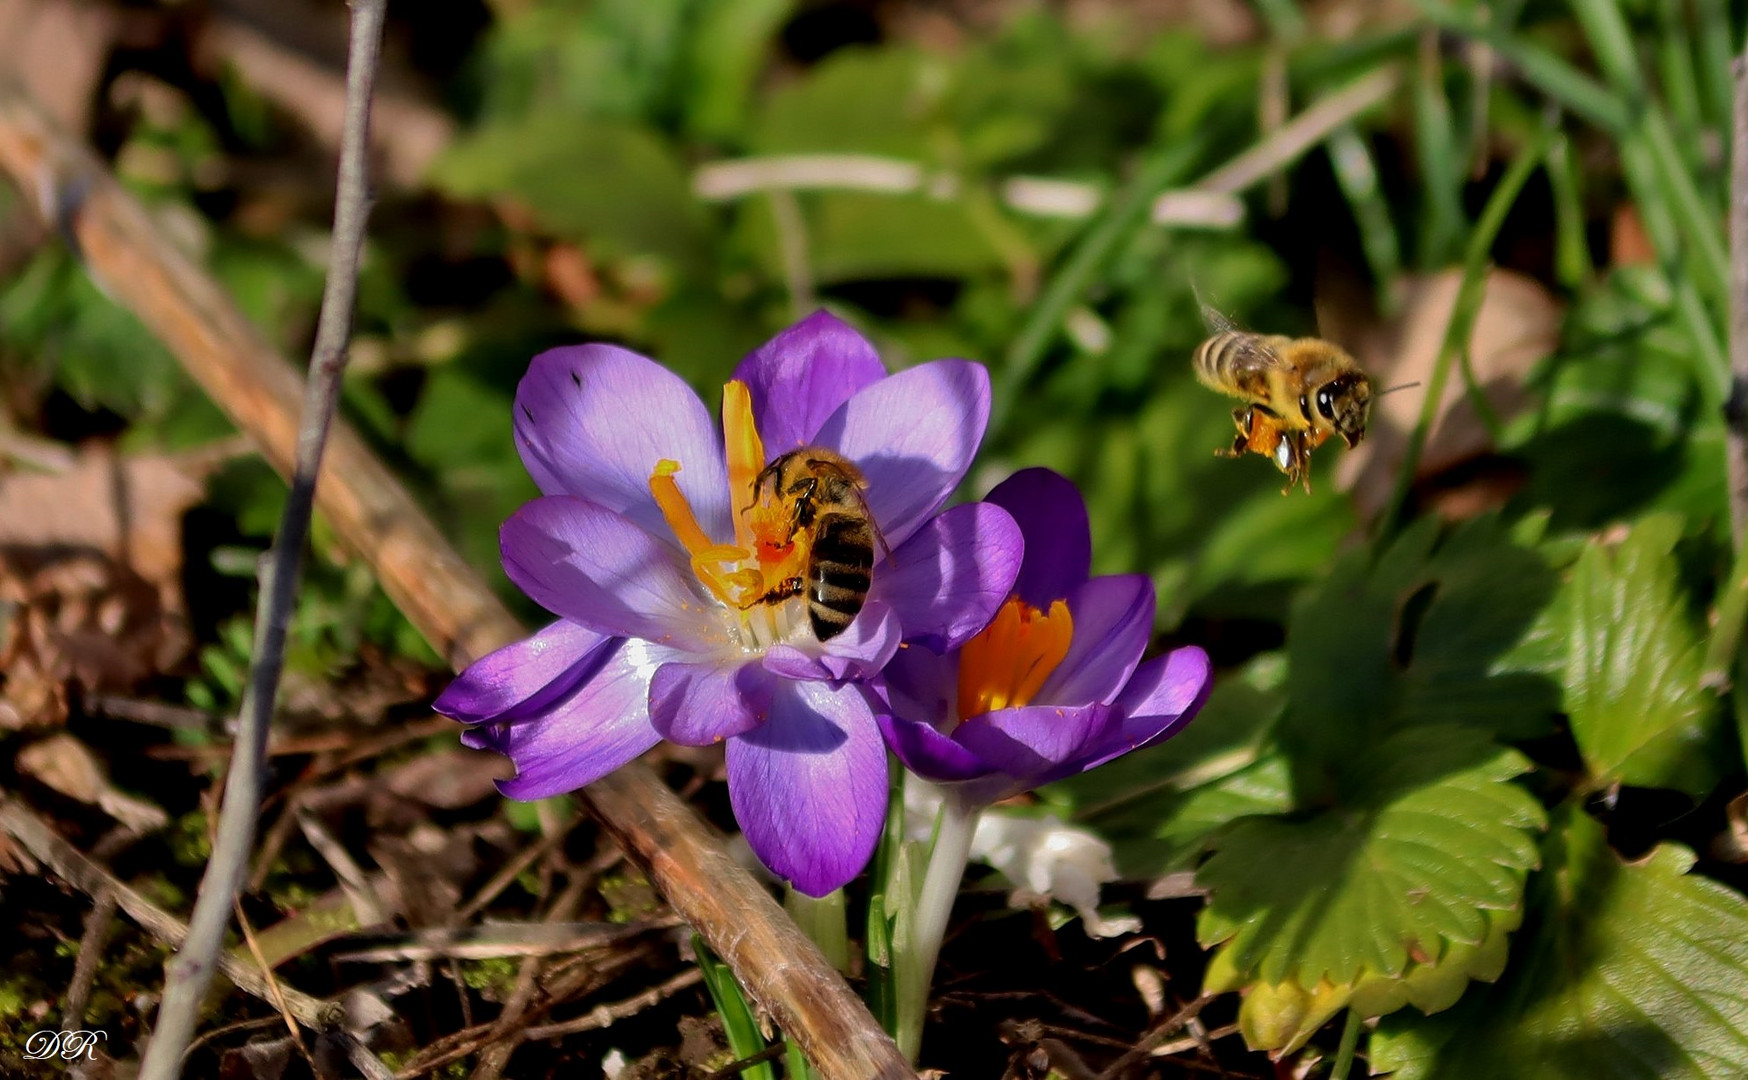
(1217, 323)
(1242, 353)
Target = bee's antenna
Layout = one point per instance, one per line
(1400, 386)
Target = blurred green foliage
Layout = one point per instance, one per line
(1390, 795)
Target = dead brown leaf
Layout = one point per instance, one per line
(65, 764)
(90, 577)
(1518, 324)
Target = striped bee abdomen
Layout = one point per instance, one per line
(840, 570)
(1215, 359)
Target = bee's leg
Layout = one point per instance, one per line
(1241, 417)
(790, 586)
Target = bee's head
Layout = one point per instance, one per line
(1344, 403)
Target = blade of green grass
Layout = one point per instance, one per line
(1090, 254)
(1668, 178)
(1441, 170)
(1550, 74)
(1678, 78)
(1357, 175)
(1476, 262)
(1572, 266)
(1715, 44)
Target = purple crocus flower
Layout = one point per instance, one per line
(1054, 685)
(667, 568)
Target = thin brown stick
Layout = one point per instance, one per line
(273, 986)
(1157, 1036)
(512, 870)
(188, 974)
(605, 1016)
(74, 867)
(1736, 410)
(442, 596)
(91, 942)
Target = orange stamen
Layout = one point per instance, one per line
(676, 509)
(745, 452)
(1005, 665)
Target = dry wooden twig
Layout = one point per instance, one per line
(442, 596)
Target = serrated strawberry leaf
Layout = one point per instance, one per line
(1397, 895)
(1631, 971)
(1633, 664)
(1425, 632)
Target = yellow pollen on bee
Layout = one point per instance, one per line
(1007, 663)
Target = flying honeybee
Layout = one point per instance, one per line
(1300, 392)
(816, 497)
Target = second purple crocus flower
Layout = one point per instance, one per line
(1054, 685)
(642, 546)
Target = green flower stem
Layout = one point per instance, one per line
(889, 906)
(1724, 649)
(1350, 1041)
(934, 906)
(822, 920)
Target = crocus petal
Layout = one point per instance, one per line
(948, 579)
(913, 436)
(930, 754)
(523, 678)
(1163, 695)
(809, 785)
(922, 685)
(593, 420)
(600, 569)
(698, 704)
(1030, 742)
(859, 652)
(599, 726)
(801, 376)
(1052, 517)
(1113, 621)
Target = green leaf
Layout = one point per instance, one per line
(1633, 666)
(1400, 894)
(1159, 807)
(1629, 971)
(616, 185)
(1422, 633)
(869, 101)
(54, 319)
(857, 236)
(1622, 428)
(728, 46)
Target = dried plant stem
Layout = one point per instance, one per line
(1737, 408)
(190, 972)
(1725, 662)
(91, 944)
(440, 594)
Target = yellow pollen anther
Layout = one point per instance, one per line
(1006, 664)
